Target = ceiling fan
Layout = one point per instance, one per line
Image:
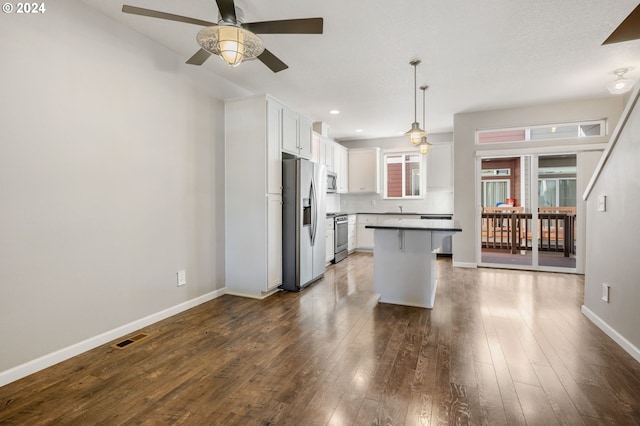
(628, 30)
(233, 39)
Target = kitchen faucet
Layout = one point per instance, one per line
(400, 207)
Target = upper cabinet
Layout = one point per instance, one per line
(329, 161)
(364, 170)
(296, 134)
(341, 167)
(274, 155)
(334, 156)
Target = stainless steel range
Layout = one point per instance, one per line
(341, 237)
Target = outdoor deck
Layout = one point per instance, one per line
(508, 231)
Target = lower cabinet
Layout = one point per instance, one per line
(353, 235)
(364, 236)
(329, 249)
(274, 241)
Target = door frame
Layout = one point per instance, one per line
(518, 152)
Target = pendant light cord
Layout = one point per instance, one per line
(424, 119)
(415, 92)
(415, 64)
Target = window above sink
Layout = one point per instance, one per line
(403, 175)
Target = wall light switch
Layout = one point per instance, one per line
(605, 292)
(602, 203)
(182, 277)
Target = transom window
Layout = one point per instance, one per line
(402, 175)
(583, 129)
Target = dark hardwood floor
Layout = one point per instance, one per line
(500, 347)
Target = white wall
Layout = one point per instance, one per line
(612, 241)
(438, 199)
(465, 125)
(111, 180)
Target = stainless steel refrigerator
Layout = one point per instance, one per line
(303, 222)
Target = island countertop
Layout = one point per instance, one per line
(417, 225)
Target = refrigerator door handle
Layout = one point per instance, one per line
(314, 213)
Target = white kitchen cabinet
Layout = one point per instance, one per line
(296, 134)
(352, 229)
(364, 236)
(325, 150)
(253, 235)
(289, 131)
(341, 167)
(305, 128)
(317, 148)
(328, 154)
(329, 240)
(274, 154)
(364, 170)
(274, 240)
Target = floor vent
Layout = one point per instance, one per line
(130, 341)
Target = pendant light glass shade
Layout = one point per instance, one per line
(415, 134)
(424, 146)
(233, 44)
(621, 84)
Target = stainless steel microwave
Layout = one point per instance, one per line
(332, 182)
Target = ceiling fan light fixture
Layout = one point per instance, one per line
(621, 84)
(231, 43)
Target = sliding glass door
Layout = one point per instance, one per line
(505, 205)
(528, 216)
(557, 210)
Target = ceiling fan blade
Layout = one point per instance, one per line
(227, 10)
(162, 15)
(272, 61)
(287, 26)
(199, 57)
(628, 30)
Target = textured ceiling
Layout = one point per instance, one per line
(476, 55)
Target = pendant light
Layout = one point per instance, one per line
(424, 146)
(416, 133)
(621, 84)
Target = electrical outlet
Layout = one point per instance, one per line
(605, 292)
(182, 277)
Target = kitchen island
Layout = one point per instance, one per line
(404, 259)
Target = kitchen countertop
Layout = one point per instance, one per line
(406, 213)
(429, 215)
(417, 225)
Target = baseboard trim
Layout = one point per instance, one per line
(63, 354)
(611, 332)
(252, 295)
(465, 265)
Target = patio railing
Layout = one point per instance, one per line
(511, 230)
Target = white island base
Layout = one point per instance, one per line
(404, 263)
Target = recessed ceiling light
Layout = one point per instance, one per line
(334, 112)
(359, 130)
